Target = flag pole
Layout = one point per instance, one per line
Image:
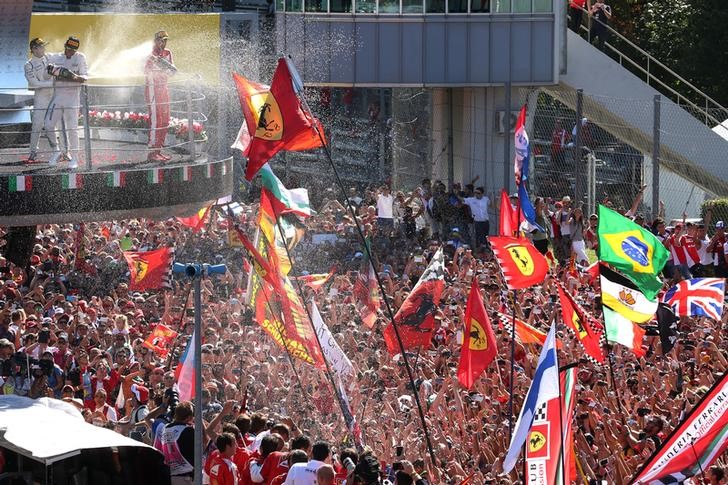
(608, 348)
(513, 366)
(697, 460)
(390, 312)
(327, 369)
(561, 411)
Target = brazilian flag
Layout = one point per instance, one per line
(631, 249)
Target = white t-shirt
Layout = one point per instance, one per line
(478, 207)
(384, 206)
(303, 473)
(706, 258)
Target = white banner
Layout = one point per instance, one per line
(333, 354)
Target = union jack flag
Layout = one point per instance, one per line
(699, 297)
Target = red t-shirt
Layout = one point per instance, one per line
(222, 471)
(274, 464)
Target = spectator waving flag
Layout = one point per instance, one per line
(479, 345)
(274, 119)
(699, 297)
(544, 387)
(415, 319)
(520, 261)
(149, 270)
(196, 221)
(631, 249)
(508, 216)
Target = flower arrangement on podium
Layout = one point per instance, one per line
(133, 127)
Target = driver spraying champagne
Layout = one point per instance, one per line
(69, 70)
(157, 70)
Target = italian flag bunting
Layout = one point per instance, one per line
(20, 183)
(72, 181)
(155, 175)
(185, 174)
(116, 179)
(209, 170)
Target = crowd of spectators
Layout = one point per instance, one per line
(75, 332)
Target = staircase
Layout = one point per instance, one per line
(623, 104)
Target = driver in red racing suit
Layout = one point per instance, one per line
(157, 70)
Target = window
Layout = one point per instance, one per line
(340, 6)
(479, 6)
(317, 5)
(389, 6)
(366, 6)
(294, 5)
(412, 6)
(521, 6)
(435, 6)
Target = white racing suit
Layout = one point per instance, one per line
(36, 73)
(62, 114)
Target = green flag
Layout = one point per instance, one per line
(631, 249)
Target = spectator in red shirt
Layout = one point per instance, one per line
(267, 467)
(575, 14)
(222, 469)
(295, 456)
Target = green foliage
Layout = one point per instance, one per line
(719, 208)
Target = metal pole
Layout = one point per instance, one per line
(507, 139)
(450, 155)
(86, 126)
(198, 377)
(578, 172)
(656, 157)
(190, 132)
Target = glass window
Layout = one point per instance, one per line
(280, 5)
(542, 6)
(457, 6)
(411, 6)
(479, 6)
(366, 6)
(294, 5)
(389, 6)
(502, 6)
(341, 6)
(435, 6)
(521, 6)
(317, 5)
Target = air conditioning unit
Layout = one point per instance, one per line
(500, 121)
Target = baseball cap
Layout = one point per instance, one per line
(720, 225)
(566, 198)
(72, 43)
(37, 42)
(162, 34)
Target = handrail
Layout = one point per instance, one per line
(710, 103)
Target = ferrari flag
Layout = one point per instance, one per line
(149, 270)
(479, 346)
(582, 325)
(695, 444)
(415, 319)
(274, 119)
(160, 340)
(521, 263)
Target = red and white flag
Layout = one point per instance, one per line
(185, 372)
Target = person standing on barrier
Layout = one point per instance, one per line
(36, 73)
(157, 70)
(69, 71)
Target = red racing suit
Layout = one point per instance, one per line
(157, 96)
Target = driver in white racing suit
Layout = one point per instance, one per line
(36, 73)
(69, 71)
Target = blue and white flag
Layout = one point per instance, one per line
(545, 386)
